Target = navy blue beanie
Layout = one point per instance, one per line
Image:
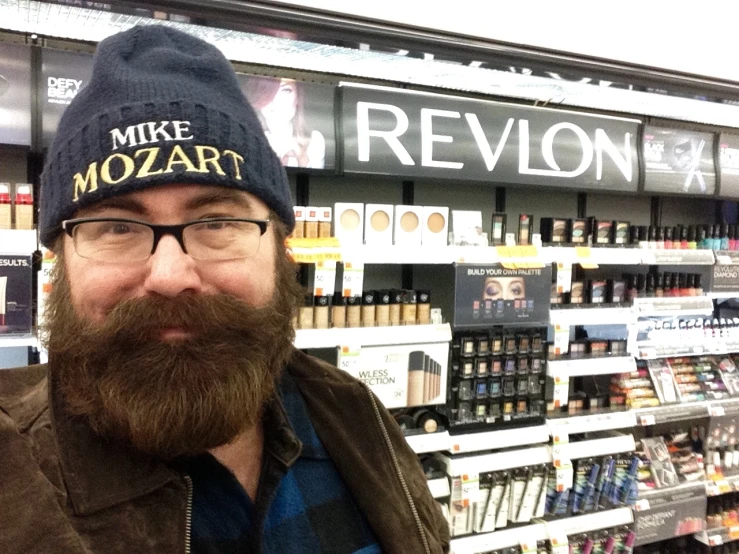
(161, 107)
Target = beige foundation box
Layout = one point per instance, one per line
(311, 222)
(299, 231)
(378, 224)
(408, 226)
(324, 222)
(435, 228)
(349, 223)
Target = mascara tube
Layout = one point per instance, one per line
(590, 487)
(629, 480)
(587, 548)
(610, 545)
(607, 483)
(601, 483)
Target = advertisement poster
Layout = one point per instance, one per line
(396, 132)
(678, 161)
(405, 375)
(16, 316)
(297, 117)
(486, 295)
(671, 514)
(728, 155)
(15, 94)
(63, 75)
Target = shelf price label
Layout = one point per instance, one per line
(645, 420)
(527, 546)
(561, 339)
(583, 255)
(715, 540)
(564, 277)
(465, 489)
(559, 543)
(348, 358)
(561, 388)
(353, 278)
(324, 278)
(564, 476)
(716, 411)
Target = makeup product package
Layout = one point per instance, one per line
(16, 277)
(525, 229)
(299, 230)
(311, 222)
(553, 230)
(408, 225)
(435, 227)
(498, 229)
(378, 224)
(325, 220)
(6, 214)
(23, 206)
(349, 223)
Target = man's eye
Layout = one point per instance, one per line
(117, 228)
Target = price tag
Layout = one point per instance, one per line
(469, 488)
(353, 278)
(559, 543)
(324, 278)
(715, 540)
(505, 253)
(723, 486)
(561, 389)
(560, 455)
(528, 547)
(564, 277)
(734, 532)
(348, 358)
(560, 437)
(716, 411)
(583, 257)
(564, 477)
(641, 505)
(561, 339)
(646, 420)
(510, 239)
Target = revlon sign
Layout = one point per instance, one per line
(397, 132)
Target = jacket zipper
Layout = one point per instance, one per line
(188, 515)
(398, 472)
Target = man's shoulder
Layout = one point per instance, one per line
(23, 392)
(309, 368)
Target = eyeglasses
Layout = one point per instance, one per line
(124, 240)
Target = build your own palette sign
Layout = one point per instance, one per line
(490, 294)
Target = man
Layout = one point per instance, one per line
(175, 415)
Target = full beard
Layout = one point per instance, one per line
(179, 397)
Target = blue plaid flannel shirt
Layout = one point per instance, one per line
(302, 505)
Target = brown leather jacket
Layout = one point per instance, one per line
(63, 490)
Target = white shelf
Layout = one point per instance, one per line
(677, 257)
(673, 306)
(590, 522)
(598, 255)
(439, 487)
(496, 440)
(372, 336)
(18, 341)
(723, 294)
(18, 241)
(597, 447)
(457, 465)
(717, 537)
(592, 366)
(592, 316)
(593, 422)
(647, 351)
(506, 538)
(429, 442)
(420, 254)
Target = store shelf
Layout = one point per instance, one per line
(590, 522)
(725, 485)
(429, 442)
(673, 306)
(592, 316)
(595, 255)
(18, 241)
(372, 336)
(479, 463)
(439, 487)
(597, 447)
(670, 413)
(678, 257)
(592, 423)
(423, 254)
(723, 295)
(716, 537)
(648, 351)
(506, 538)
(15, 341)
(592, 366)
(655, 497)
(496, 440)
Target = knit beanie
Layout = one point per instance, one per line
(161, 107)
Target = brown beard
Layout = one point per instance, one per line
(172, 398)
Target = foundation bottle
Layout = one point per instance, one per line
(382, 308)
(423, 307)
(321, 306)
(396, 300)
(305, 317)
(408, 310)
(415, 378)
(354, 311)
(23, 207)
(5, 221)
(338, 312)
(368, 308)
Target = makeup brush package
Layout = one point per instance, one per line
(16, 277)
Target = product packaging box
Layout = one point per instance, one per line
(16, 316)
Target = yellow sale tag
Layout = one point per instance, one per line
(583, 257)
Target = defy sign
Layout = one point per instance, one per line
(427, 135)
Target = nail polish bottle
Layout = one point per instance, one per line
(701, 236)
(659, 242)
(659, 285)
(634, 235)
(669, 242)
(683, 284)
(690, 242)
(650, 285)
(724, 237)
(675, 285)
(652, 237)
(643, 236)
(640, 284)
(716, 243)
(732, 237)
(631, 290)
(698, 287)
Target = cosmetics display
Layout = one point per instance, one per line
(497, 377)
(721, 445)
(381, 308)
(312, 222)
(677, 335)
(662, 284)
(634, 390)
(618, 540)
(419, 421)
(16, 206)
(692, 237)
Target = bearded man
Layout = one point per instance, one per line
(175, 415)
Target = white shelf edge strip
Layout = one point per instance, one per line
(15, 342)
(506, 438)
(595, 422)
(592, 316)
(429, 442)
(372, 336)
(598, 447)
(592, 366)
(18, 242)
(590, 522)
(498, 461)
(505, 538)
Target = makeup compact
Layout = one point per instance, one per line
(577, 231)
(497, 230)
(349, 223)
(525, 222)
(602, 231)
(408, 225)
(435, 226)
(311, 222)
(620, 232)
(616, 291)
(324, 222)
(617, 348)
(597, 292)
(598, 347)
(299, 231)
(553, 230)
(378, 224)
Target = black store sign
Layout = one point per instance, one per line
(428, 135)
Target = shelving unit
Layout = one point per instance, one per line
(429, 442)
(479, 463)
(372, 336)
(717, 537)
(605, 365)
(623, 315)
(12, 341)
(505, 538)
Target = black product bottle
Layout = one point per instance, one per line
(659, 285)
(650, 292)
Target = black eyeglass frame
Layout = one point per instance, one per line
(176, 231)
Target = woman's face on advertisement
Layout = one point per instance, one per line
(504, 288)
(283, 106)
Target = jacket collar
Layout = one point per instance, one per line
(100, 473)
